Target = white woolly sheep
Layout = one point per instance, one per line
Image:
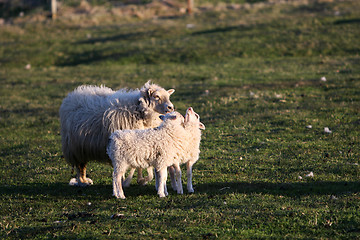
(159, 147)
(89, 115)
(192, 126)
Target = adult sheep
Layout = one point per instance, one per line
(89, 115)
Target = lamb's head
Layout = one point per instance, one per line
(192, 117)
(173, 119)
(157, 98)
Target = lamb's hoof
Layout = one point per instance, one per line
(120, 197)
(191, 190)
(180, 192)
(162, 195)
(173, 186)
(142, 181)
(126, 183)
(75, 182)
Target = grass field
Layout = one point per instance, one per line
(252, 73)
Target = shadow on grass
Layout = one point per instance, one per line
(128, 36)
(224, 29)
(101, 191)
(137, 55)
(286, 189)
(347, 21)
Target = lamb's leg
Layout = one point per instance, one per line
(179, 186)
(127, 181)
(118, 173)
(172, 177)
(81, 179)
(165, 187)
(148, 178)
(189, 177)
(162, 191)
(156, 180)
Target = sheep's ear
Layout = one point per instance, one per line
(201, 126)
(162, 117)
(171, 91)
(147, 84)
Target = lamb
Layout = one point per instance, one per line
(89, 115)
(192, 125)
(159, 147)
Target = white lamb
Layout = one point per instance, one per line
(192, 126)
(159, 147)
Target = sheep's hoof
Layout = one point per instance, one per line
(173, 185)
(191, 190)
(119, 196)
(142, 181)
(162, 195)
(75, 182)
(126, 183)
(180, 192)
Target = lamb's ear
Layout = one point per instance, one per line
(201, 126)
(171, 91)
(162, 117)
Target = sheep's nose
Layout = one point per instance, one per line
(170, 108)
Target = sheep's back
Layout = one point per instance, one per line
(88, 116)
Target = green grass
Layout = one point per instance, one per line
(252, 74)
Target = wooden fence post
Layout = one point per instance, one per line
(53, 9)
(190, 6)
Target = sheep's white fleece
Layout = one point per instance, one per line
(191, 153)
(158, 147)
(89, 114)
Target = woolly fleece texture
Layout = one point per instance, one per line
(89, 114)
(191, 154)
(158, 147)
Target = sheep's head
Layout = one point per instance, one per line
(192, 117)
(157, 98)
(173, 118)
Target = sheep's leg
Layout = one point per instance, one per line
(81, 179)
(140, 178)
(156, 180)
(165, 188)
(179, 186)
(118, 174)
(162, 191)
(189, 177)
(148, 178)
(127, 181)
(172, 177)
